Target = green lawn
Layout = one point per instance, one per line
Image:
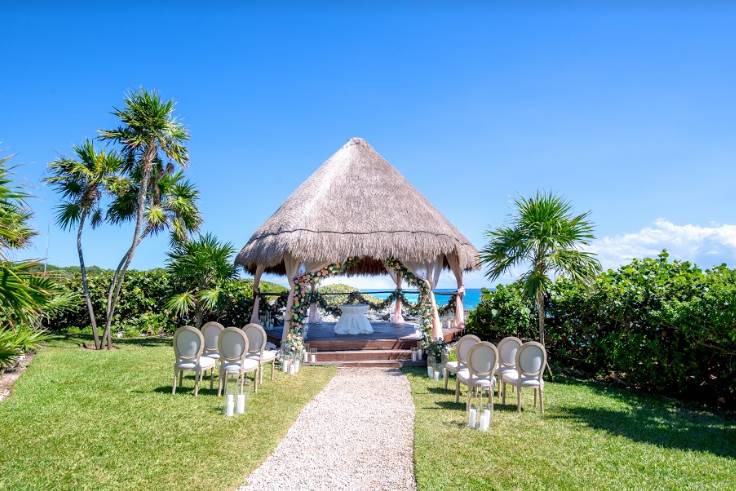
(591, 437)
(103, 420)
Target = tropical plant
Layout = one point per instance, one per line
(199, 268)
(82, 183)
(545, 235)
(148, 132)
(23, 291)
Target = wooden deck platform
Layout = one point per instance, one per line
(389, 345)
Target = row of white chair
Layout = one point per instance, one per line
(236, 351)
(479, 364)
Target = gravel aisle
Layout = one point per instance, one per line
(356, 434)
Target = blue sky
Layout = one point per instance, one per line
(626, 111)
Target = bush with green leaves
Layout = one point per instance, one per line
(658, 325)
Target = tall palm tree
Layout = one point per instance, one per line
(546, 235)
(82, 183)
(148, 132)
(199, 268)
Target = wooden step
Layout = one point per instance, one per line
(372, 363)
(361, 345)
(363, 355)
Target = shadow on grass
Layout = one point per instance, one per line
(655, 421)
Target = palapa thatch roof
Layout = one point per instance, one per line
(355, 205)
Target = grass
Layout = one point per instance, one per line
(80, 419)
(591, 437)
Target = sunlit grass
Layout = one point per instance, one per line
(591, 437)
(79, 419)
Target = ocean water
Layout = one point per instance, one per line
(472, 296)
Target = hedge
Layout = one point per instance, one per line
(655, 324)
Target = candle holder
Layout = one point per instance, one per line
(240, 404)
(229, 405)
(472, 417)
(313, 355)
(485, 420)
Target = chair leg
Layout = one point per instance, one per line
(503, 396)
(197, 378)
(181, 377)
(273, 368)
(535, 398)
(242, 382)
(457, 390)
(518, 399)
(220, 379)
(446, 377)
(173, 385)
(541, 399)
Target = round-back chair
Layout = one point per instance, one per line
(479, 374)
(257, 339)
(188, 349)
(233, 347)
(211, 332)
(462, 347)
(531, 360)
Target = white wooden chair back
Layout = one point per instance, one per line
(232, 345)
(211, 332)
(188, 344)
(507, 349)
(256, 337)
(531, 358)
(462, 348)
(482, 359)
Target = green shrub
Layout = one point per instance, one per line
(659, 325)
(15, 342)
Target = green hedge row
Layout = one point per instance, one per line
(141, 308)
(659, 325)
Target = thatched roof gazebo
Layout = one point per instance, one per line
(357, 205)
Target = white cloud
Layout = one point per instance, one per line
(704, 245)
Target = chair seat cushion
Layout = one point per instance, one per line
(212, 354)
(204, 363)
(464, 377)
(247, 365)
(268, 355)
(512, 377)
(500, 371)
(453, 366)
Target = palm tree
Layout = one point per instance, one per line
(546, 235)
(82, 184)
(171, 204)
(147, 132)
(198, 269)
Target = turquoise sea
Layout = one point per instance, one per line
(472, 296)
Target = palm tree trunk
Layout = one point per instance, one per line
(117, 280)
(540, 314)
(85, 284)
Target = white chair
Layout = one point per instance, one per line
(188, 348)
(507, 349)
(233, 347)
(531, 359)
(257, 350)
(462, 347)
(479, 373)
(211, 332)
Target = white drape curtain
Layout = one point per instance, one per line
(292, 269)
(429, 271)
(295, 268)
(254, 318)
(311, 267)
(396, 316)
(454, 262)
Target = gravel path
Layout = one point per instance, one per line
(356, 434)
